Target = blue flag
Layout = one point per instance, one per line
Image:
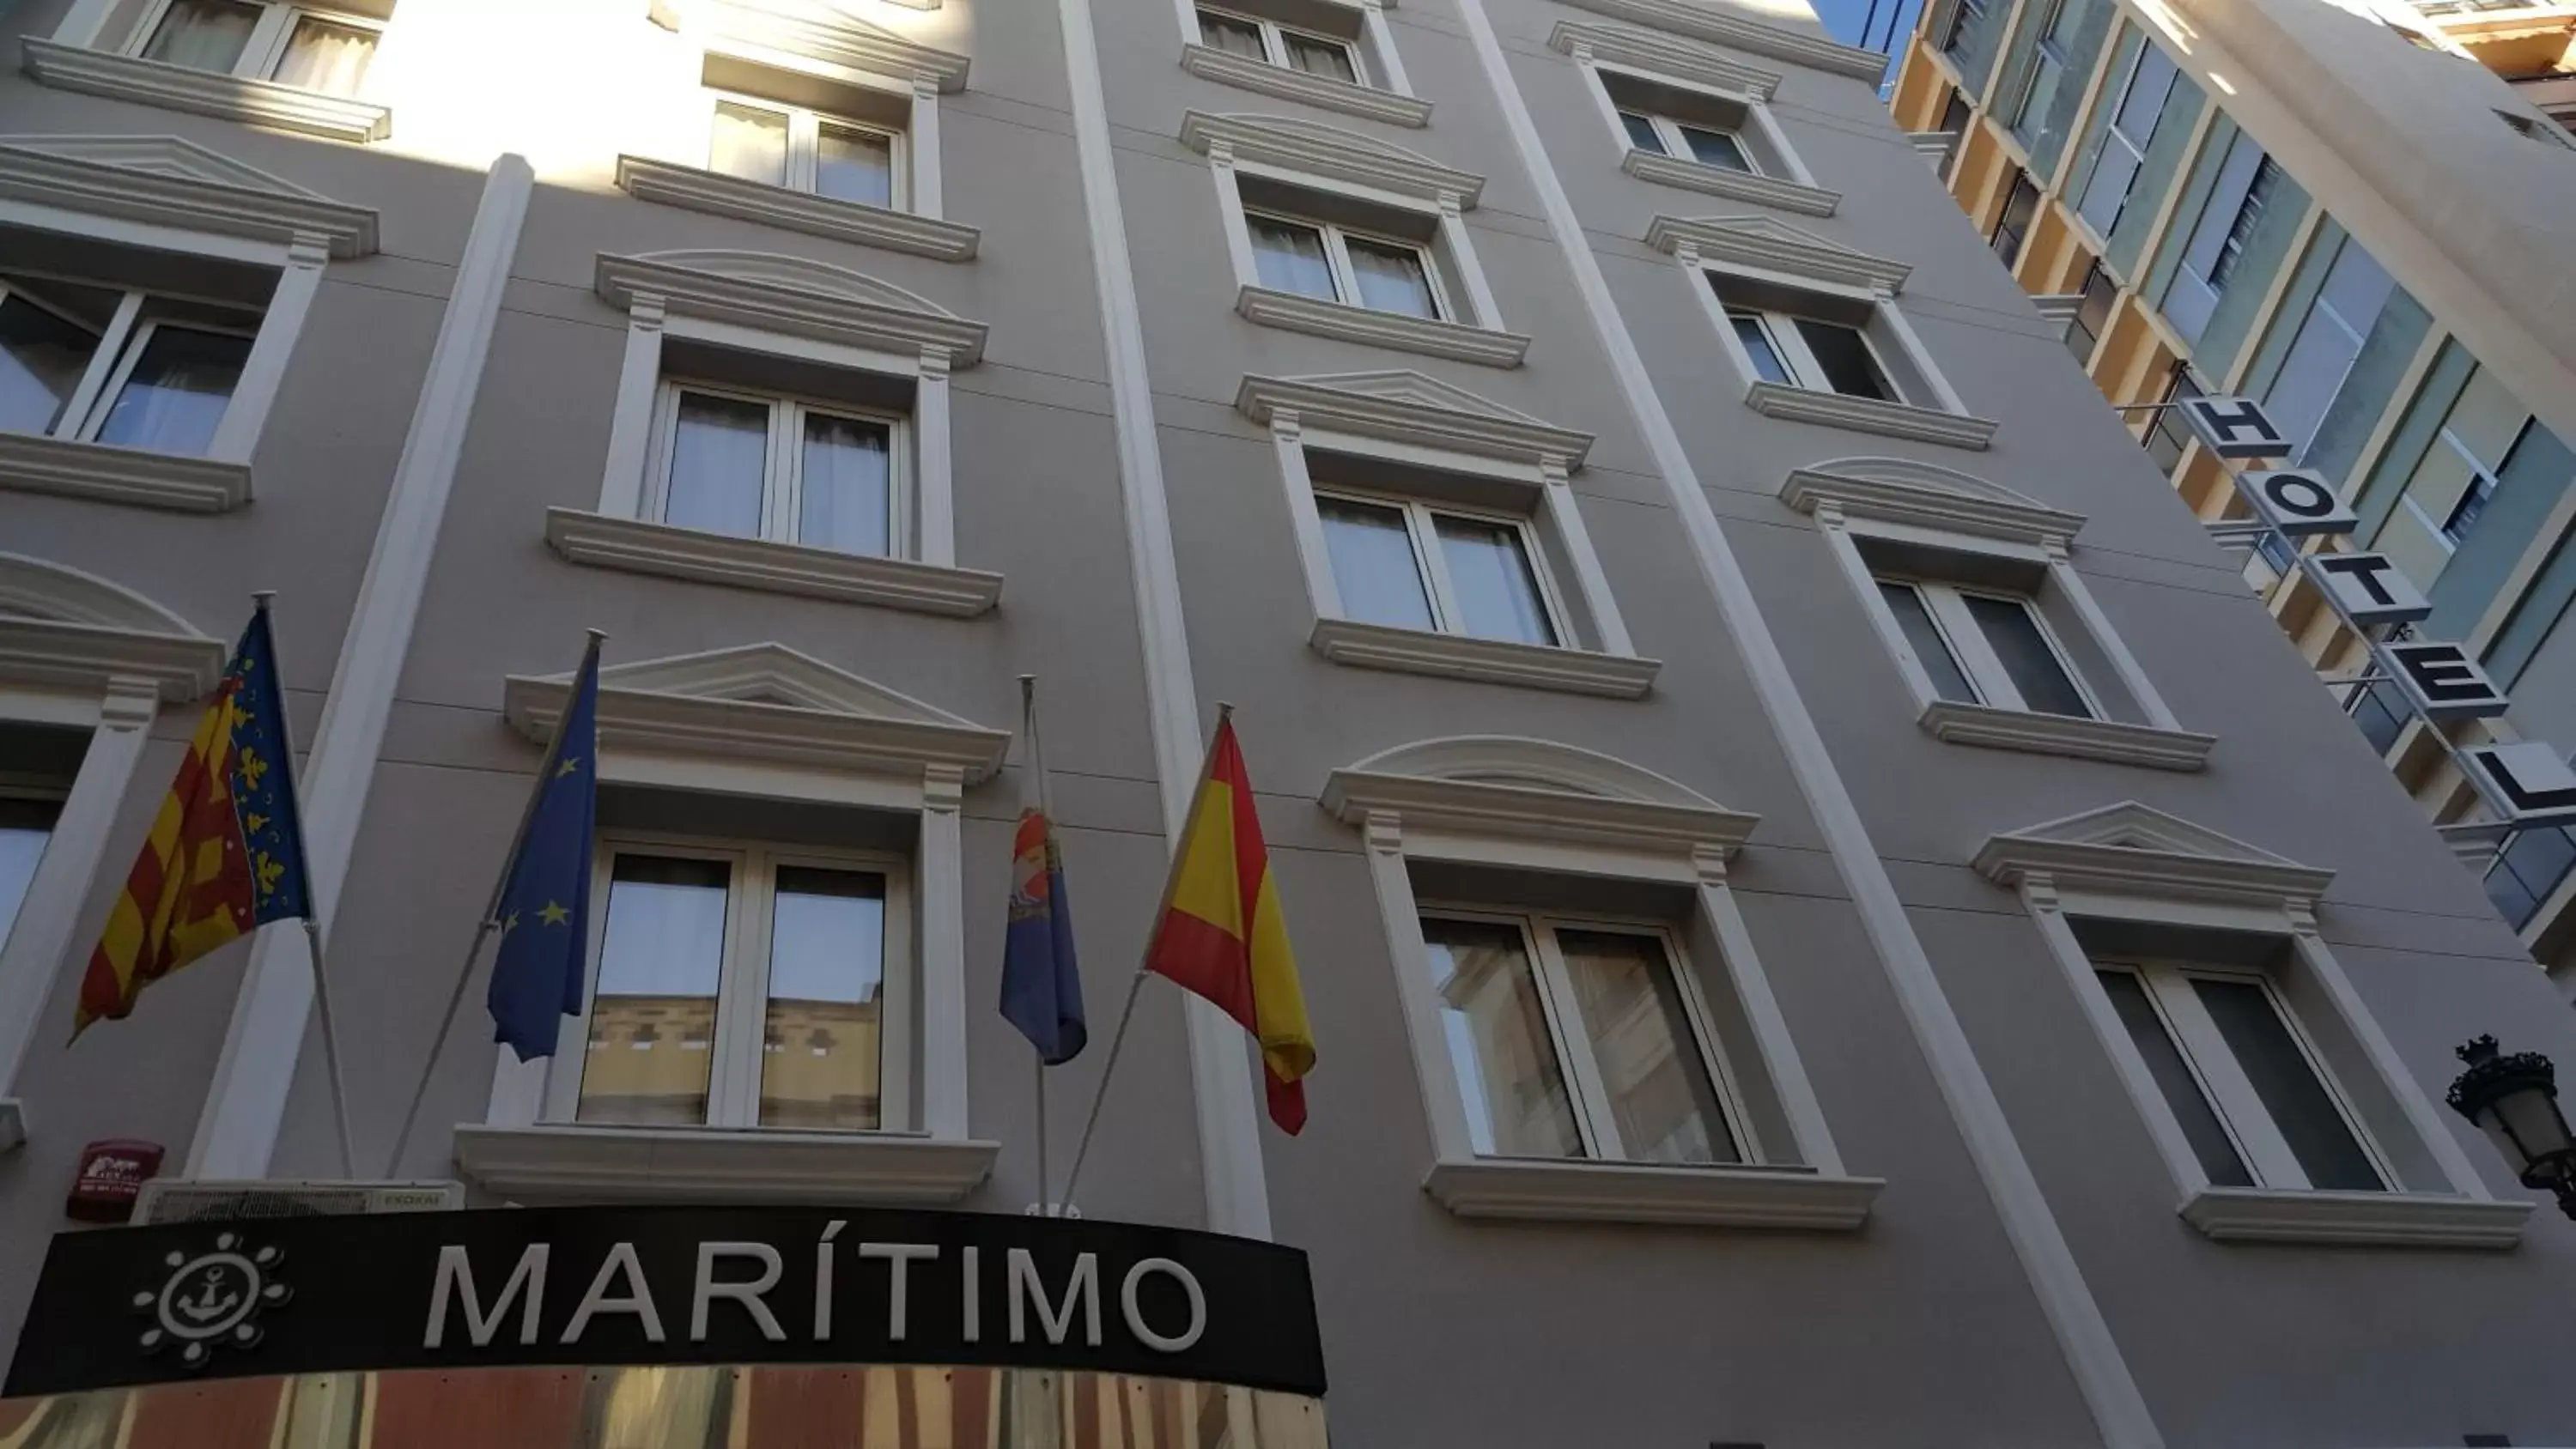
(1041, 987)
(545, 896)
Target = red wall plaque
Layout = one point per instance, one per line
(112, 1173)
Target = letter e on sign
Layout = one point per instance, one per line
(2532, 778)
(2443, 682)
(2366, 587)
(2296, 501)
(2235, 428)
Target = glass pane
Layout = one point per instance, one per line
(42, 357)
(175, 397)
(1226, 33)
(1290, 257)
(1641, 132)
(25, 826)
(2316, 1131)
(653, 1012)
(749, 142)
(1845, 360)
(844, 488)
(1517, 1105)
(852, 165)
(1496, 588)
(1660, 1095)
(1949, 681)
(819, 1048)
(1392, 278)
(2151, 79)
(2200, 1126)
(1767, 364)
(1373, 563)
(322, 56)
(203, 34)
(1715, 148)
(2028, 661)
(1321, 57)
(719, 455)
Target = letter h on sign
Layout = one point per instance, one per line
(2234, 428)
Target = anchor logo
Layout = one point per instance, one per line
(211, 1298)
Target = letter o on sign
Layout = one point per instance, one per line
(2297, 502)
(1136, 1325)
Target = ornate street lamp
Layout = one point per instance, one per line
(2514, 1100)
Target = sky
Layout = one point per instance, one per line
(1845, 18)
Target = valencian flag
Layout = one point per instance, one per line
(226, 852)
(1041, 987)
(543, 906)
(1221, 934)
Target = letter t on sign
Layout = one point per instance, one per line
(2235, 428)
(2366, 587)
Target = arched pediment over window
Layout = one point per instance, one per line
(1512, 785)
(63, 628)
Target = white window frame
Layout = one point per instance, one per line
(2135, 150)
(1431, 568)
(782, 487)
(1337, 257)
(2483, 480)
(1274, 42)
(1595, 1120)
(737, 1053)
(120, 346)
(266, 46)
(2214, 1069)
(1668, 132)
(1788, 344)
(1946, 604)
(1777, 177)
(1382, 91)
(804, 141)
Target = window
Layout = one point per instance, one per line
(1965, 22)
(1708, 145)
(1318, 259)
(311, 49)
(2240, 229)
(2464, 514)
(1811, 353)
(781, 468)
(2527, 872)
(1413, 566)
(2167, 435)
(2451, 463)
(1575, 1040)
(2348, 305)
(97, 364)
(2256, 1106)
(1955, 116)
(2142, 93)
(802, 150)
(26, 825)
(744, 988)
(2012, 226)
(1985, 648)
(2047, 75)
(1286, 46)
(2228, 219)
(2092, 317)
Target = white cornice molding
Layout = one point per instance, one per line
(1489, 661)
(1902, 490)
(764, 702)
(1403, 406)
(1771, 191)
(172, 182)
(1766, 244)
(816, 32)
(1871, 415)
(1312, 148)
(1519, 788)
(1720, 24)
(265, 104)
(598, 1163)
(1325, 92)
(2388, 1219)
(2058, 308)
(63, 628)
(1428, 336)
(105, 473)
(1661, 55)
(1933, 146)
(717, 194)
(1961, 723)
(771, 292)
(1714, 1195)
(637, 546)
(2135, 849)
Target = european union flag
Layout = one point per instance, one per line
(545, 896)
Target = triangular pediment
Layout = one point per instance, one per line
(1316, 149)
(1769, 244)
(63, 628)
(171, 181)
(764, 701)
(1903, 490)
(797, 274)
(775, 292)
(1667, 57)
(1405, 406)
(2139, 850)
(1513, 786)
(815, 31)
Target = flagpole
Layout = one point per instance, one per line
(491, 919)
(1037, 766)
(313, 929)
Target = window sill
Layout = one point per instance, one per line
(1454, 340)
(1491, 661)
(2388, 1219)
(233, 98)
(1636, 1192)
(700, 1164)
(1297, 85)
(851, 221)
(1870, 415)
(600, 541)
(2056, 734)
(1770, 191)
(104, 473)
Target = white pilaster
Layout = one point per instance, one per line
(1381, 41)
(1229, 210)
(1556, 498)
(926, 195)
(943, 955)
(265, 368)
(2133, 675)
(246, 1101)
(1471, 272)
(630, 432)
(1814, 1143)
(934, 486)
(1382, 835)
(1600, 94)
(1305, 521)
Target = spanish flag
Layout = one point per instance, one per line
(226, 852)
(1221, 934)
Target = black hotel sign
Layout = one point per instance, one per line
(520, 1286)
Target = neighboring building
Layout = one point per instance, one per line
(1827, 916)
(2323, 208)
(2533, 47)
